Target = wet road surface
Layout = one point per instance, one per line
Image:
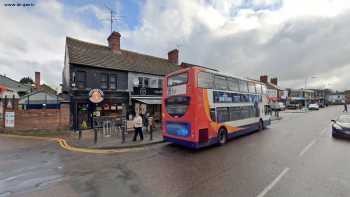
(296, 156)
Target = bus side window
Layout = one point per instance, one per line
(212, 114)
(235, 113)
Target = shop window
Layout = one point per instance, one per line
(80, 79)
(103, 81)
(113, 82)
(153, 83)
(146, 82)
(160, 83)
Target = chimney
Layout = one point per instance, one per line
(263, 78)
(37, 80)
(114, 41)
(173, 56)
(273, 80)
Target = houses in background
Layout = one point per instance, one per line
(336, 98)
(273, 91)
(31, 107)
(13, 85)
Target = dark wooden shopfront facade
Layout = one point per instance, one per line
(114, 72)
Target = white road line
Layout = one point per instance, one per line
(273, 183)
(324, 131)
(307, 147)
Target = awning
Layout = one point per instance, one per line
(272, 98)
(151, 101)
(300, 98)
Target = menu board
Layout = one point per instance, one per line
(9, 119)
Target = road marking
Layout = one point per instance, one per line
(63, 144)
(307, 147)
(273, 183)
(324, 131)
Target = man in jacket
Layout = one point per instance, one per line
(138, 127)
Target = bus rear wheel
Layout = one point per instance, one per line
(222, 136)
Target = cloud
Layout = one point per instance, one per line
(289, 39)
(33, 39)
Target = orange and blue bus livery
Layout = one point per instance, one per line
(202, 107)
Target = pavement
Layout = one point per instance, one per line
(114, 141)
(295, 156)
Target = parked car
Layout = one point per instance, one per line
(292, 106)
(314, 106)
(277, 106)
(341, 126)
(282, 106)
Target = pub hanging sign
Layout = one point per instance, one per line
(96, 96)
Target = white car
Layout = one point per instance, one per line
(282, 106)
(278, 106)
(314, 106)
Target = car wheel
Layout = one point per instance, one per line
(222, 136)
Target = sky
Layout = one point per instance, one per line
(296, 41)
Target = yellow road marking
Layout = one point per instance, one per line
(63, 144)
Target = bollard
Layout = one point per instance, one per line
(123, 132)
(95, 136)
(80, 134)
(150, 133)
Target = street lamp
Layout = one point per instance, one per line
(311, 77)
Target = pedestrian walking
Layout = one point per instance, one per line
(138, 127)
(345, 108)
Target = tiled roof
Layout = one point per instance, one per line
(84, 53)
(47, 89)
(14, 85)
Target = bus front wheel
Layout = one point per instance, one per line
(222, 136)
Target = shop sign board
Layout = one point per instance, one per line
(9, 119)
(96, 96)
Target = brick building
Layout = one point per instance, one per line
(274, 92)
(121, 78)
(38, 109)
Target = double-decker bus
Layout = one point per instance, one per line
(201, 107)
